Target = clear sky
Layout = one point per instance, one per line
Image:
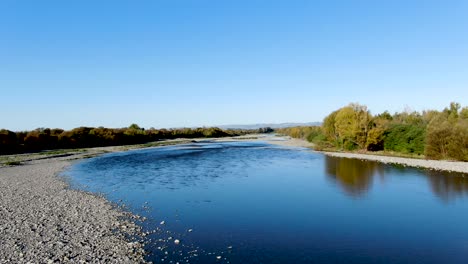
(193, 63)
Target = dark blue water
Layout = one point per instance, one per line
(242, 202)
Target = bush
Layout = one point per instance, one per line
(12, 163)
(405, 138)
(8, 142)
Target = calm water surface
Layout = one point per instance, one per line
(251, 202)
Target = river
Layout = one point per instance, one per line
(252, 202)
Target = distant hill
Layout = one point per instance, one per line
(280, 125)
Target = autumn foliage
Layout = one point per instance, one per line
(432, 134)
(84, 137)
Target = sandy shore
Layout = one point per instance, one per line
(43, 221)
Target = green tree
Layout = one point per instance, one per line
(405, 138)
(135, 127)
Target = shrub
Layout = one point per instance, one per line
(405, 138)
(12, 163)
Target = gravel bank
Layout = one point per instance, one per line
(43, 221)
(455, 166)
(270, 139)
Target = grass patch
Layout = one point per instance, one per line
(60, 151)
(13, 163)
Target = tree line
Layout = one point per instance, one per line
(85, 137)
(431, 134)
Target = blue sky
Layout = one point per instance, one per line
(201, 63)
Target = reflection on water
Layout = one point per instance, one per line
(447, 185)
(356, 177)
(250, 202)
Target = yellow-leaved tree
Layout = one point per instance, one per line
(352, 125)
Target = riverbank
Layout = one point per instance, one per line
(453, 166)
(43, 221)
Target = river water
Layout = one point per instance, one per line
(251, 202)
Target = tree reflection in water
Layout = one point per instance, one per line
(446, 185)
(355, 177)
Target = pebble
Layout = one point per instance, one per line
(44, 221)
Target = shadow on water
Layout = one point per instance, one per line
(356, 177)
